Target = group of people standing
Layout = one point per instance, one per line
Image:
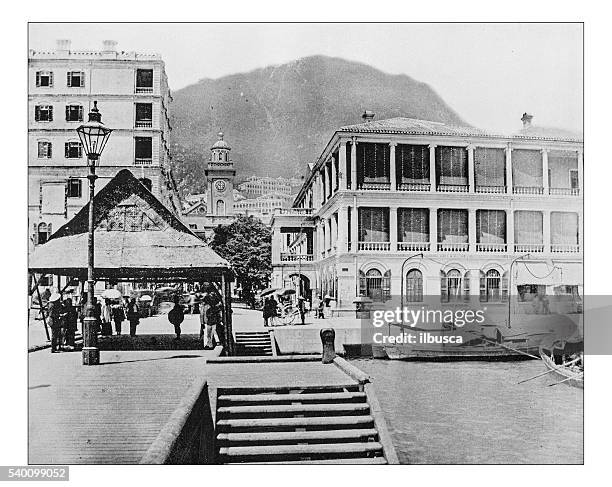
(63, 318)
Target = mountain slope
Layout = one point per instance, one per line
(278, 118)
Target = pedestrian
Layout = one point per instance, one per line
(133, 316)
(302, 309)
(273, 313)
(209, 325)
(54, 310)
(266, 311)
(70, 323)
(118, 315)
(98, 314)
(214, 320)
(321, 308)
(107, 329)
(176, 316)
(192, 303)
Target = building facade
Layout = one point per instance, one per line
(414, 208)
(256, 186)
(132, 94)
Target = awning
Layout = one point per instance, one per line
(572, 274)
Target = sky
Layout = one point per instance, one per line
(488, 73)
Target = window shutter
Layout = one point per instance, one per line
(67, 113)
(82, 78)
(37, 113)
(68, 78)
(50, 113)
(49, 154)
(37, 78)
(66, 150)
(51, 78)
(466, 286)
(483, 287)
(80, 113)
(443, 287)
(386, 285)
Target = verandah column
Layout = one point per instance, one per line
(355, 228)
(471, 169)
(433, 229)
(392, 168)
(546, 230)
(545, 181)
(509, 169)
(580, 171)
(510, 229)
(393, 228)
(342, 227)
(354, 185)
(342, 165)
(472, 230)
(432, 168)
(332, 186)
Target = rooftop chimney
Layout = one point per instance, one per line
(526, 119)
(368, 116)
(62, 46)
(109, 46)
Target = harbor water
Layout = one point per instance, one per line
(475, 412)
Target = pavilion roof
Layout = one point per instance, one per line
(135, 236)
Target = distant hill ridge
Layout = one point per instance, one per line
(278, 118)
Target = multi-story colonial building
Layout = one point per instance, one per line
(263, 207)
(263, 185)
(132, 94)
(453, 209)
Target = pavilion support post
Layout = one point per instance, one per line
(42, 308)
(227, 312)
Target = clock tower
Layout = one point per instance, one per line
(220, 174)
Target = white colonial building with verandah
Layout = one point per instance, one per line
(456, 207)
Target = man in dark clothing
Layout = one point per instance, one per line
(133, 316)
(118, 316)
(70, 323)
(176, 316)
(54, 309)
(213, 317)
(302, 309)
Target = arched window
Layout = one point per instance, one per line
(43, 233)
(490, 286)
(450, 285)
(374, 285)
(414, 286)
(221, 207)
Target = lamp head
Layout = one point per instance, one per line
(94, 134)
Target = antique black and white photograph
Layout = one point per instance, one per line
(305, 243)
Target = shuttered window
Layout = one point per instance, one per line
(528, 227)
(75, 79)
(43, 113)
(452, 226)
(74, 113)
(564, 228)
(413, 225)
(414, 286)
(373, 162)
(374, 224)
(44, 150)
(73, 150)
(490, 166)
(75, 188)
(144, 78)
(451, 165)
(561, 165)
(491, 226)
(526, 168)
(44, 79)
(412, 163)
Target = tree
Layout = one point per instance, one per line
(247, 244)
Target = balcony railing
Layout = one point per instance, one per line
(453, 247)
(413, 187)
(490, 189)
(143, 161)
(374, 186)
(413, 246)
(528, 190)
(564, 191)
(453, 188)
(144, 124)
(528, 248)
(294, 211)
(564, 248)
(491, 247)
(144, 89)
(375, 246)
(289, 257)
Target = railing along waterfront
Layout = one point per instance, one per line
(565, 248)
(453, 247)
(289, 257)
(490, 189)
(564, 191)
(491, 247)
(413, 186)
(375, 246)
(452, 188)
(143, 161)
(370, 186)
(528, 247)
(528, 190)
(413, 246)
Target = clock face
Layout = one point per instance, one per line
(220, 185)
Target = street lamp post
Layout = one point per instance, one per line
(93, 135)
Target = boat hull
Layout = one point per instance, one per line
(561, 373)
